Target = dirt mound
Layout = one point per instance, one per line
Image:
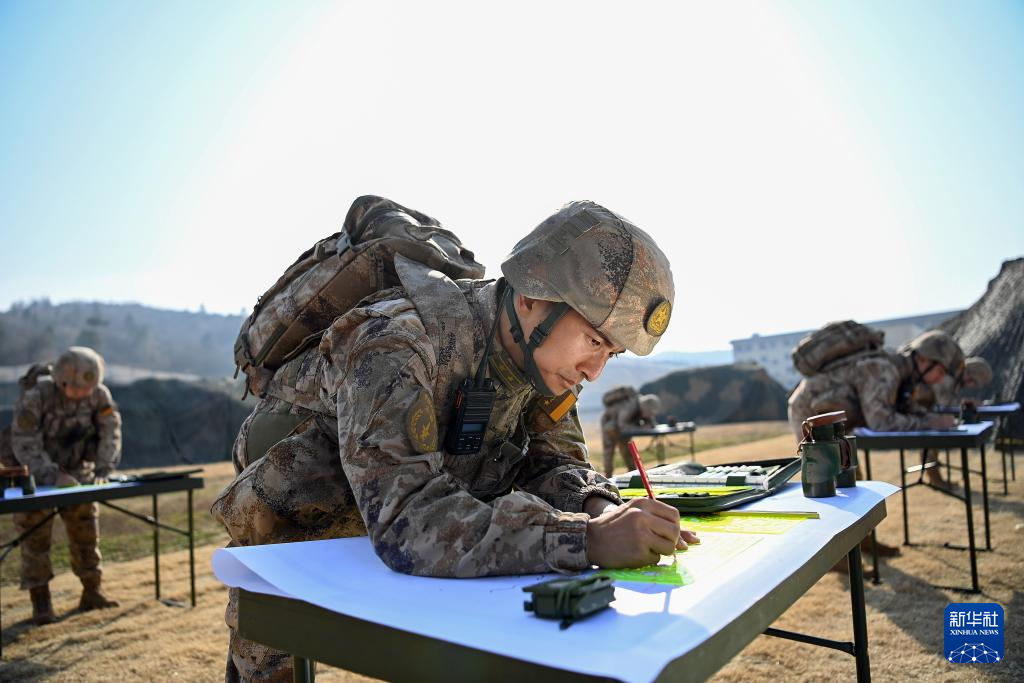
(720, 394)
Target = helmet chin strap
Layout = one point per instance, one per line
(537, 337)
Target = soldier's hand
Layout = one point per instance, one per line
(941, 421)
(65, 480)
(635, 534)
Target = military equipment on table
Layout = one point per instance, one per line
(570, 599)
(968, 412)
(691, 487)
(828, 458)
(17, 477)
(335, 274)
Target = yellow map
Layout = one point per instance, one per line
(723, 535)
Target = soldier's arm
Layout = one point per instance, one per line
(556, 467)
(877, 385)
(107, 419)
(27, 438)
(419, 518)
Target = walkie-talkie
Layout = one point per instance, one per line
(470, 415)
(474, 400)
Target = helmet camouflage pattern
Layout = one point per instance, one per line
(604, 267)
(938, 346)
(977, 371)
(79, 366)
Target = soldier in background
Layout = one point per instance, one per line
(876, 387)
(624, 407)
(67, 430)
(379, 391)
(977, 374)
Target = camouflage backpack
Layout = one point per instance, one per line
(335, 274)
(617, 394)
(25, 382)
(834, 341)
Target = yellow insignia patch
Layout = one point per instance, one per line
(26, 421)
(421, 424)
(556, 407)
(89, 376)
(657, 319)
(106, 411)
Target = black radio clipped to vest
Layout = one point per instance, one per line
(470, 415)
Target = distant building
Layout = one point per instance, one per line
(772, 352)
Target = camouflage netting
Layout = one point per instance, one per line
(168, 422)
(993, 328)
(724, 393)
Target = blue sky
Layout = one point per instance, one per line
(798, 161)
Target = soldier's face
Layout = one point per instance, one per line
(573, 352)
(931, 372)
(76, 393)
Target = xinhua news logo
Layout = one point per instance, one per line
(974, 633)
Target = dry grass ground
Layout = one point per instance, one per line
(147, 640)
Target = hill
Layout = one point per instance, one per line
(125, 334)
(720, 394)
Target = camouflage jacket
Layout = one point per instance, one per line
(865, 385)
(382, 384)
(51, 432)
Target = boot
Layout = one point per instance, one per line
(934, 477)
(42, 606)
(93, 598)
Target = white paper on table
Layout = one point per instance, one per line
(646, 627)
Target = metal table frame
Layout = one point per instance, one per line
(44, 500)
(1002, 411)
(924, 440)
(311, 633)
(658, 432)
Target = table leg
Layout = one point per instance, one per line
(191, 549)
(970, 519)
(860, 620)
(156, 546)
(949, 469)
(303, 670)
(877, 578)
(984, 497)
(693, 451)
(903, 492)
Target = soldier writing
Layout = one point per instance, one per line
(624, 407)
(380, 391)
(67, 430)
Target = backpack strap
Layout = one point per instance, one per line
(448, 319)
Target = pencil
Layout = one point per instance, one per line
(640, 466)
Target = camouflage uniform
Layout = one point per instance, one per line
(631, 411)
(875, 387)
(865, 385)
(379, 391)
(52, 433)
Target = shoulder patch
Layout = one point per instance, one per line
(26, 421)
(556, 407)
(421, 424)
(107, 410)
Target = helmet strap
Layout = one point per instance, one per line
(537, 337)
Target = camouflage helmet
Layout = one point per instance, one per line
(650, 404)
(604, 267)
(977, 371)
(938, 346)
(79, 366)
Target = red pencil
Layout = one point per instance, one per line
(640, 466)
